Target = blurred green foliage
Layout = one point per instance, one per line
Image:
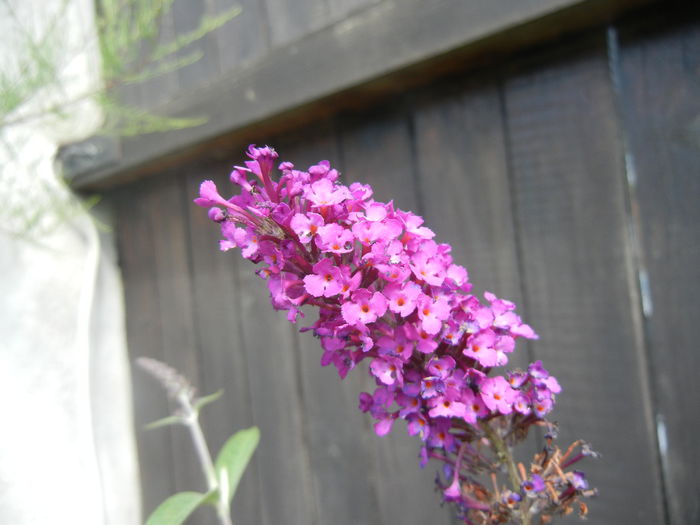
(36, 91)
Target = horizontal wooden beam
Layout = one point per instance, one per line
(377, 52)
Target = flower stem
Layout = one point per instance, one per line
(503, 453)
(191, 420)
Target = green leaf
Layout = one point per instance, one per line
(212, 499)
(235, 455)
(176, 509)
(161, 68)
(170, 420)
(204, 401)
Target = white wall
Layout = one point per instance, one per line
(67, 453)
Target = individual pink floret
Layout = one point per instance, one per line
(364, 307)
(444, 407)
(326, 281)
(412, 224)
(375, 211)
(305, 225)
(333, 238)
(428, 269)
(402, 299)
(396, 344)
(209, 195)
(324, 193)
(432, 313)
(441, 366)
(408, 404)
(247, 240)
(349, 281)
(481, 348)
(458, 274)
(497, 394)
(383, 426)
(417, 424)
(387, 370)
(475, 408)
(368, 232)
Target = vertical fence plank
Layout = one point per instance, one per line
(159, 89)
(244, 38)
(187, 15)
(466, 194)
(378, 151)
(218, 320)
(144, 339)
(337, 432)
(577, 280)
(308, 146)
(568, 174)
(461, 155)
(276, 387)
(661, 104)
(275, 395)
(164, 200)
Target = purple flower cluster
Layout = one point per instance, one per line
(386, 293)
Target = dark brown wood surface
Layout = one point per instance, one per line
(660, 94)
(461, 157)
(283, 63)
(158, 90)
(566, 180)
(175, 306)
(223, 361)
(134, 244)
(342, 469)
(291, 20)
(245, 38)
(381, 154)
(186, 18)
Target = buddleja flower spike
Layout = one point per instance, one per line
(388, 293)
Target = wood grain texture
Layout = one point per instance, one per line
(466, 193)
(660, 96)
(283, 455)
(175, 306)
(290, 20)
(524, 173)
(568, 173)
(187, 15)
(337, 432)
(245, 38)
(376, 51)
(276, 387)
(309, 145)
(378, 150)
(157, 91)
(136, 260)
(217, 317)
(341, 8)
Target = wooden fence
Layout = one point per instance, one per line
(567, 180)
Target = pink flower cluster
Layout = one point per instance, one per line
(386, 293)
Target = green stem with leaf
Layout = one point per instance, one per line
(191, 420)
(222, 476)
